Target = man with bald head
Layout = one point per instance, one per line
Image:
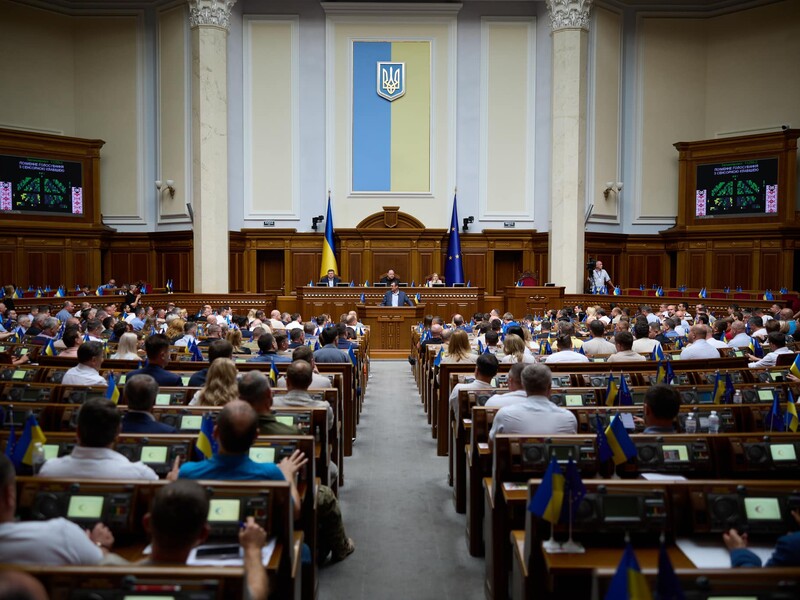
(699, 348)
(435, 338)
(235, 431)
(740, 338)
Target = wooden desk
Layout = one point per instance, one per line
(521, 301)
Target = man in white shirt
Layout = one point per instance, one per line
(740, 338)
(699, 347)
(93, 458)
(624, 341)
(720, 325)
(485, 370)
(757, 328)
(598, 344)
(51, 542)
(565, 352)
(600, 278)
(778, 342)
(516, 393)
(189, 335)
(643, 343)
(90, 358)
(536, 414)
(275, 320)
(296, 322)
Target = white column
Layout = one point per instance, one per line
(570, 23)
(210, 20)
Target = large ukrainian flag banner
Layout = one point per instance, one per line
(391, 139)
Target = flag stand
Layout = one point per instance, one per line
(571, 546)
(551, 546)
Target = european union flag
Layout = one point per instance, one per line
(729, 389)
(328, 245)
(206, 445)
(628, 582)
(197, 355)
(31, 434)
(454, 270)
(480, 347)
(768, 295)
(755, 348)
(11, 443)
(417, 298)
(790, 419)
(775, 420)
(604, 451)
(549, 497)
(574, 490)
(612, 390)
(668, 586)
(363, 298)
(625, 398)
(659, 291)
(619, 441)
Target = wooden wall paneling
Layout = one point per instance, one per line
(722, 271)
(507, 267)
(35, 270)
(397, 259)
(771, 269)
(270, 267)
(305, 267)
(697, 269)
(80, 268)
(8, 271)
(355, 270)
(654, 268)
(475, 267)
(636, 273)
(426, 265)
(54, 267)
(743, 270)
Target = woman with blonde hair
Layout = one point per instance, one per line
(175, 330)
(514, 350)
(235, 338)
(458, 348)
(220, 387)
(126, 347)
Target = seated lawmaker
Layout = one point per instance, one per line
(786, 554)
(516, 392)
(565, 352)
(87, 372)
(776, 341)
(486, 367)
(661, 405)
(157, 349)
(390, 278)
(140, 394)
(330, 353)
(306, 354)
(235, 431)
(623, 341)
(94, 457)
(51, 542)
(536, 414)
(268, 351)
(394, 296)
(330, 280)
(434, 280)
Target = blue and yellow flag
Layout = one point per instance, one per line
(755, 348)
(604, 451)
(790, 418)
(544, 348)
(617, 291)
(628, 582)
(31, 434)
(438, 360)
(17, 294)
(454, 269)
(59, 293)
(719, 390)
(612, 390)
(417, 298)
(549, 497)
(206, 445)
(50, 349)
(328, 246)
(619, 441)
(194, 350)
(703, 294)
(38, 292)
(351, 354)
(795, 368)
(657, 353)
(480, 347)
(659, 291)
(363, 298)
(665, 374)
(273, 374)
(112, 392)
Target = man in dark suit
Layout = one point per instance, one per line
(140, 393)
(390, 278)
(331, 280)
(157, 349)
(396, 297)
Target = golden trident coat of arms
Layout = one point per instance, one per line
(391, 80)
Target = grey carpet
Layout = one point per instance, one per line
(397, 505)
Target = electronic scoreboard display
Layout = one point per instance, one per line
(40, 186)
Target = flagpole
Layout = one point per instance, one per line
(571, 546)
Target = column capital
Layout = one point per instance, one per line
(569, 14)
(212, 13)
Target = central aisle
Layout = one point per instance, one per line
(397, 505)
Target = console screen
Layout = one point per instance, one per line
(762, 509)
(262, 454)
(85, 507)
(675, 453)
(224, 511)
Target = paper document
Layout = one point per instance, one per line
(712, 553)
(208, 559)
(661, 477)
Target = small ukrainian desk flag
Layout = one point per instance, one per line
(628, 582)
(549, 497)
(206, 445)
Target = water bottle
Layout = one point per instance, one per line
(713, 422)
(690, 425)
(737, 397)
(37, 457)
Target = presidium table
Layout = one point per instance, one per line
(391, 327)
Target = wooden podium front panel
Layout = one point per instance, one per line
(390, 328)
